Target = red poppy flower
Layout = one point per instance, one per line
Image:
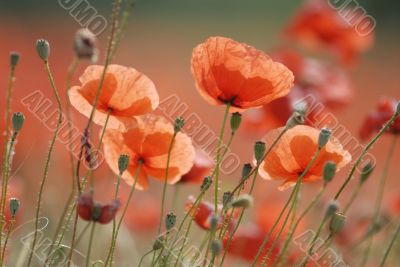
(226, 71)
(318, 25)
(377, 118)
(202, 165)
(89, 210)
(203, 214)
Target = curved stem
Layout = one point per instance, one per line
(46, 168)
(184, 243)
(389, 248)
(90, 244)
(142, 258)
(10, 226)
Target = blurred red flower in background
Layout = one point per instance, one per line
(227, 71)
(377, 118)
(202, 166)
(318, 25)
(90, 210)
(327, 84)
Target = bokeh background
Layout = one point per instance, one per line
(158, 41)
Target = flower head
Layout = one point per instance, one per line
(89, 210)
(292, 154)
(126, 93)
(148, 144)
(226, 71)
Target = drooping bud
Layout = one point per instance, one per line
(227, 198)
(85, 45)
(159, 243)
(17, 120)
(366, 172)
(14, 206)
(243, 201)
(333, 207)
(259, 150)
(43, 49)
(14, 59)
(297, 118)
(123, 162)
(329, 171)
(236, 119)
(179, 123)
(324, 136)
(206, 184)
(216, 247)
(170, 221)
(246, 171)
(338, 222)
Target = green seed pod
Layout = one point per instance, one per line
(170, 221)
(14, 206)
(179, 123)
(246, 171)
(259, 150)
(123, 162)
(297, 118)
(236, 119)
(43, 49)
(14, 59)
(329, 171)
(324, 136)
(214, 222)
(17, 120)
(227, 198)
(206, 184)
(338, 222)
(333, 207)
(159, 243)
(366, 172)
(398, 108)
(216, 247)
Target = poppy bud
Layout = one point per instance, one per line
(246, 171)
(14, 59)
(170, 221)
(259, 150)
(206, 183)
(43, 49)
(329, 171)
(85, 45)
(14, 206)
(398, 108)
(337, 223)
(84, 206)
(297, 118)
(216, 247)
(243, 201)
(366, 172)
(17, 120)
(227, 198)
(179, 123)
(236, 119)
(123, 162)
(324, 137)
(333, 207)
(214, 220)
(159, 243)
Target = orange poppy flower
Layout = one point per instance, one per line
(377, 118)
(226, 71)
(202, 166)
(149, 143)
(319, 25)
(126, 93)
(291, 155)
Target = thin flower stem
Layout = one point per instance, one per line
(293, 206)
(142, 258)
(218, 159)
(184, 242)
(353, 197)
(89, 250)
(46, 168)
(114, 240)
(379, 197)
(293, 228)
(6, 140)
(389, 248)
(201, 248)
(10, 226)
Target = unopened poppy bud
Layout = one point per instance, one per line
(43, 49)
(159, 243)
(206, 184)
(297, 118)
(214, 220)
(14, 59)
(170, 221)
(216, 247)
(333, 207)
(85, 45)
(123, 162)
(246, 171)
(14, 206)
(17, 120)
(259, 150)
(366, 172)
(236, 119)
(337, 223)
(227, 198)
(329, 171)
(243, 201)
(179, 123)
(324, 136)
